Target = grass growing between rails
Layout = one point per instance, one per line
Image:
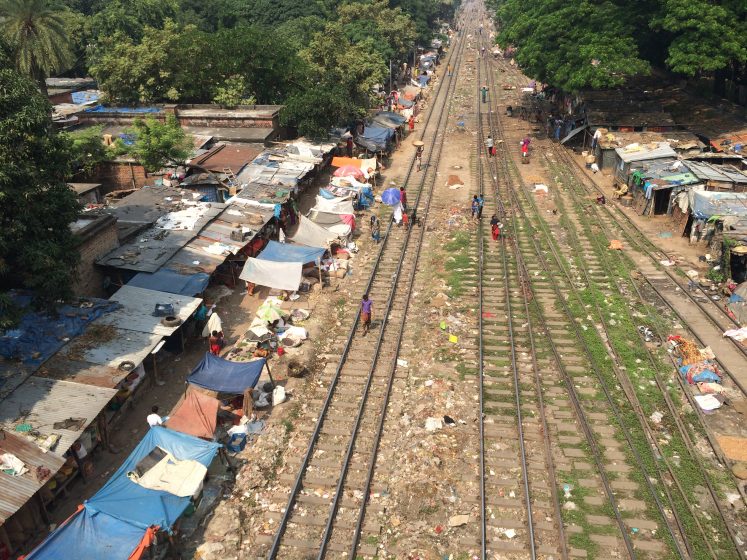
(616, 314)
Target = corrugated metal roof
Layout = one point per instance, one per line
(127, 346)
(231, 156)
(15, 491)
(722, 173)
(138, 305)
(60, 366)
(645, 152)
(41, 402)
(146, 205)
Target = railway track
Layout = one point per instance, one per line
(341, 454)
(592, 271)
(610, 459)
(513, 427)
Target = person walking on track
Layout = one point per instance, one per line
(403, 198)
(475, 207)
(375, 229)
(489, 145)
(366, 312)
(480, 205)
(495, 227)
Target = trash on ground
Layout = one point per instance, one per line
(458, 520)
(432, 424)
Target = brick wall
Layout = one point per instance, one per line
(117, 176)
(97, 239)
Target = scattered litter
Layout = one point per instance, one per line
(665, 234)
(707, 402)
(458, 520)
(656, 417)
(453, 338)
(616, 245)
(567, 490)
(432, 424)
(278, 395)
(449, 421)
(646, 333)
(541, 188)
(667, 262)
(428, 383)
(401, 362)
(510, 533)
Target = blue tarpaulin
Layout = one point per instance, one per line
(125, 500)
(375, 138)
(172, 282)
(423, 80)
(39, 335)
(90, 535)
(217, 374)
(282, 252)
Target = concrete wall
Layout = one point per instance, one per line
(97, 239)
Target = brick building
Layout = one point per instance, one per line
(98, 236)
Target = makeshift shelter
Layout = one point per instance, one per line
(310, 234)
(279, 275)
(629, 155)
(196, 415)
(128, 501)
(719, 177)
(375, 138)
(217, 374)
(657, 183)
(92, 535)
(284, 252)
(367, 166)
(172, 282)
(337, 205)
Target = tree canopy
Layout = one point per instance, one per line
(575, 44)
(37, 247)
(37, 37)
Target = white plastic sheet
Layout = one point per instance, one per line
(279, 275)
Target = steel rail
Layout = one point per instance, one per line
(382, 415)
(606, 390)
(583, 421)
(509, 313)
(298, 483)
(675, 416)
(525, 284)
(649, 253)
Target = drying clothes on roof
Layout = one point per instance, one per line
(160, 470)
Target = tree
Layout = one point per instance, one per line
(233, 92)
(132, 17)
(38, 250)
(38, 38)
(572, 44)
(391, 31)
(158, 143)
(168, 64)
(339, 82)
(705, 36)
(87, 150)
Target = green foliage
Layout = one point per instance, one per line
(131, 18)
(572, 44)
(37, 36)
(341, 76)
(233, 92)
(87, 149)
(391, 30)
(706, 36)
(37, 248)
(579, 43)
(158, 143)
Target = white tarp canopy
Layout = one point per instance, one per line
(279, 275)
(312, 235)
(348, 183)
(334, 205)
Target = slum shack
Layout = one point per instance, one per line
(721, 178)
(654, 185)
(685, 144)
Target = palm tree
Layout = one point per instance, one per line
(38, 38)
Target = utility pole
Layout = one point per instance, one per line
(390, 76)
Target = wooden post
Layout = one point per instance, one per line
(272, 381)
